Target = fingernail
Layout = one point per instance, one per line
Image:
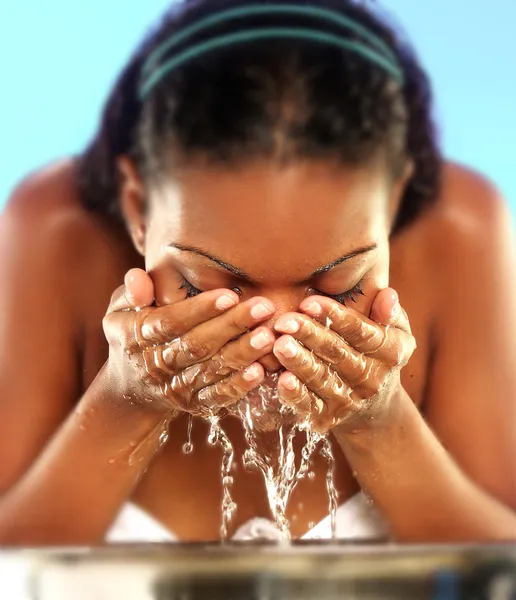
(395, 309)
(260, 311)
(287, 326)
(289, 350)
(260, 340)
(313, 308)
(289, 382)
(225, 302)
(251, 373)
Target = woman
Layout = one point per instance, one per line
(259, 170)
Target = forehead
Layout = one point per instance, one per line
(263, 213)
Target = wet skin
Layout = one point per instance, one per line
(271, 236)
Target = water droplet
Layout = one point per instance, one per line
(111, 461)
(163, 438)
(126, 397)
(311, 475)
(311, 525)
(355, 474)
(187, 448)
(83, 428)
(133, 444)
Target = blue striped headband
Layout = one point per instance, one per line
(371, 48)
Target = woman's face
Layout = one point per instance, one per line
(280, 232)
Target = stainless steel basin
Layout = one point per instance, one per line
(260, 572)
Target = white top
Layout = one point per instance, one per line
(356, 519)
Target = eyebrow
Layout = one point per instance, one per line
(243, 275)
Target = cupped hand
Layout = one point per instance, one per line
(197, 355)
(342, 368)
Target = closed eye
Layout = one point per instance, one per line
(350, 295)
(191, 291)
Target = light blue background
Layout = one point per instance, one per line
(59, 57)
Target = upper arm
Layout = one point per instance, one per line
(471, 403)
(38, 358)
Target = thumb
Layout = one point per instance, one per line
(139, 289)
(387, 310)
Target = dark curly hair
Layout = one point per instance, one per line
(282, 99)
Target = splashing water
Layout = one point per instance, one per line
(163, 438)
(261, 412)
(277, 463)
(265, 419)
(188, 446)
(218, 436)
(327, 453)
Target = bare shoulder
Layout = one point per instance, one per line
(471, 212)
(470, 224)
(456, 253)
(45, 231)
(471, 258)
(56, 267)
(46, 204)
(45, 207)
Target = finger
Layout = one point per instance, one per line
(139, 288)
(359, 331)
(205, 340)
(154, 327)
(305, 403)
(150, 327)
(294, 394)
(317, 375)
(387, 310)
(166, 323)
(353, 366)
(362, 334)
(230, 390)
(235, 356)
(137, 292)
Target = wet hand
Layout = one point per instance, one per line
(197, 355)
(347, 374)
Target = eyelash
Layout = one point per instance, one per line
(191, 291)
(350, 295)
